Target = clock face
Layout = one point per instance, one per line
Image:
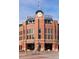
(39, 14)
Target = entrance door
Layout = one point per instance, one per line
(20, 47)
(48, 46)
(30, 46)
(39, 47)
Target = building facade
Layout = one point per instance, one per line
(39, 33)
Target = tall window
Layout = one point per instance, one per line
(45, 30)
(45, 36)
(49, 31)
(32, 36)
(20, 38)
(27, 36)
(39, 36)
(20, 33)
(27, 31)
(30, 31)
(39, 30)
(23, 31)
(49, 36)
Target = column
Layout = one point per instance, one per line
(36, 33)
(24, 37)
(57, 35)
(54, 36)
(41, 26)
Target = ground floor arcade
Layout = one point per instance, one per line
(45, 47)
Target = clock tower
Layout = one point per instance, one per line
(39, 13)
(39, 30)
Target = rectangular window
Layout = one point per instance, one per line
(32, 36)
(49, 36)
(20, 33)
(27, 36)
(23, 36)
(45, 36)
(30, 31)
(39, 30)
(49, 31)
(27, 31)
(24, 31)
(39, 36)
(45, 30)
(20, 38)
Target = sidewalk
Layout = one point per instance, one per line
(41, 55)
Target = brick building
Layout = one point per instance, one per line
(40, 32)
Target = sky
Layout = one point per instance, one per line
(29, 7)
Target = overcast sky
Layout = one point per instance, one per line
(29, 7)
